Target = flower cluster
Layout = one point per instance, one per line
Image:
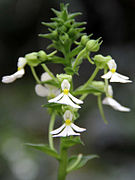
(114, 77)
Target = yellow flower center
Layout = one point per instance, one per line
(65, 91)
(113, 70)
(67, 122)
(19, 68)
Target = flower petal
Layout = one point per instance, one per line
(66, 100)
(77, 101)
(45, 76)
(70, 132)
(112, 65)
(122, 76)
(68, 115)
(116, 78)
(110, 90)
(62, 134)
(107, 75)
(76, 128)
(56, 131)
(13, 77)
(41, 90)
(65, 84)
(115, 105)
(8, 79)
(21, 62)
(56, 98)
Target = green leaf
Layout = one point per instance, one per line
(94, 87)
(72, 165)
(69, 70)
(52, 105)
(71, 141)
(51, 82)
(44, 148)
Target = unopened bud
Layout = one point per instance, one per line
(93, 45)
(84, 40)
(42, 55)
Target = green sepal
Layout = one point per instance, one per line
(45, 149)
(101, 61)
(93, 87)
(71, 141)
(72, 162)
(61, 77)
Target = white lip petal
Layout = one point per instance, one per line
(116, 78)
(66, 100)
(65, 84)
(56, 98)
(107, 75)
(41, 90)
(78, 129)
(70, 132)
(111, 64)
(13, 77)
(62, 134)
(68, 115)
(19, 73)
(56, 131)
(77, 101)
(115, 105)
(8, 79)
(122, 76)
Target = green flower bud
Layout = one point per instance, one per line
(101, 61)
(93, 45)
(61, 77)
(42, 55)
(84, 40)
(32, 59)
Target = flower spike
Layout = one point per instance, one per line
(113, 75)
(20, 72)
(46, 90)
(65, 97)
(112, 102)
(68, 128)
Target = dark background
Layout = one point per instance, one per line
(24, 120)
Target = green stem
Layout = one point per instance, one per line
(80, 55)
(101, 109)
(106, 83)
(51, 125)
(35, 75)
(48, 71)
(62, 172)
(87, 83)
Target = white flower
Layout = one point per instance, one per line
(113, 75)
(20, 72)
(46, 90)
(112, 102)
(65, 97)
(67, 129)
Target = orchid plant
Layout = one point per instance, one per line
(69, 40)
